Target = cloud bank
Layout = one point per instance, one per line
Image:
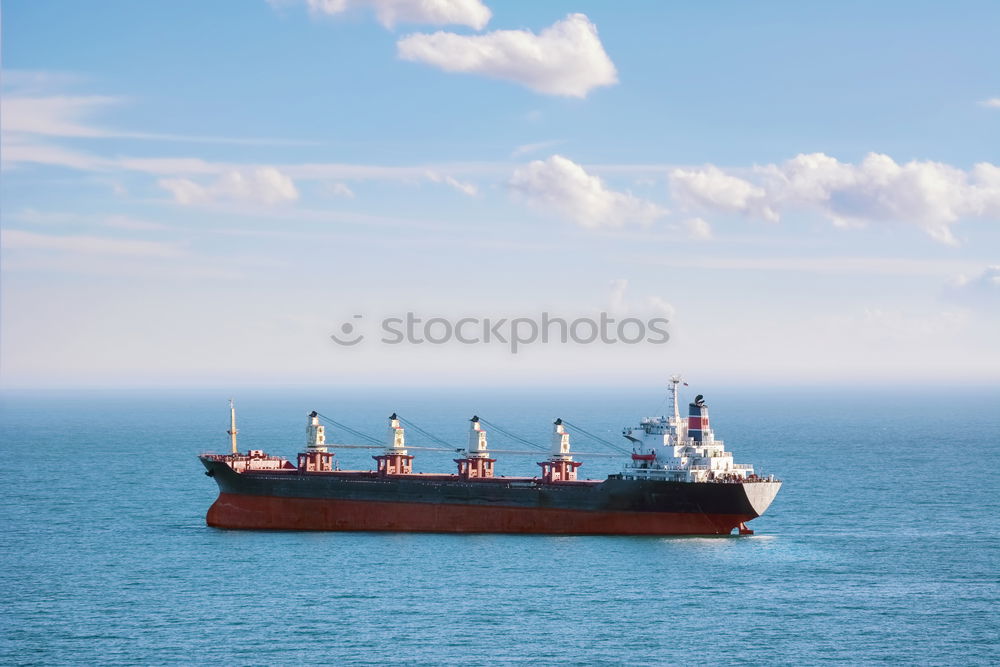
(931, 195)
(564, 187)
(567, 58)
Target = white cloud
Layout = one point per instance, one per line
(710, 187)
(469, 189)
(930, 195)
(87, 245)
(560, 185)
(566, 58)
(991, 103)
(265, 185)
(698, 229)
(472, 13)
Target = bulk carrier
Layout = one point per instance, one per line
(678, 480)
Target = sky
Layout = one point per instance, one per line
(204, 193)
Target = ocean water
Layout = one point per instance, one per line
(882, 547)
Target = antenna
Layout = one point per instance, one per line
(232, 426)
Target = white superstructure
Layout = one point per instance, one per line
(681, 449)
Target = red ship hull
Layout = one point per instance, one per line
(256, 512)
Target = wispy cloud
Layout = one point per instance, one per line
(37, 81)
(472, 13)
(264, 185)
(341, 190)
(564, 187)
(18, 239)
(527, 149)
(991, 103)
(116, 221)
(19, 152)
(32, 109)
(469, 189)
(56, 116)
(566, 59)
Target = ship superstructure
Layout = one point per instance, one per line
(681, 449)
(678, 480)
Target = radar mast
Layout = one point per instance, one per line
(674, 405)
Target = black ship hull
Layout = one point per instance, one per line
(294, 500)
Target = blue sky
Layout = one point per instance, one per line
(202, 192)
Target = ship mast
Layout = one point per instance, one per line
(232, 426)
(674, 381)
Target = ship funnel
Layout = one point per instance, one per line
(698, 427)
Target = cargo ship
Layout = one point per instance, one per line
(677, 480)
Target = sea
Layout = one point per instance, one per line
(881, 548)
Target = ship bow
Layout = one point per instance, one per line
(760, 495)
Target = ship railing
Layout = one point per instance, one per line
(742, 466)
(647, 473)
